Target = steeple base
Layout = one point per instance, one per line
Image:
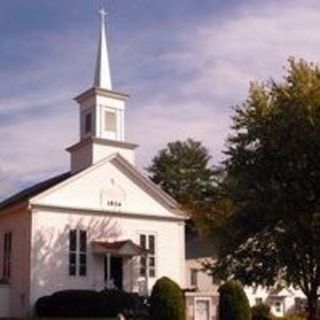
(91, 150)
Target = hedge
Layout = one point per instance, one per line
(233, 302)
(167, 301)
(261, 311)
(84, 303)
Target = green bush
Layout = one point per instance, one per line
(118, 301)
(233, 302)
(261, 311)
(167, 301)
(290, 317)
(84, 303)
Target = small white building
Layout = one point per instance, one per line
(281, 300)
(202, 297)
(102, 224)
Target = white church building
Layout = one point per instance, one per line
(102, 224)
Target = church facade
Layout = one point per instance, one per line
(102, 224)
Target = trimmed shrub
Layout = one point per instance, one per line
(291, 317)
(140, 310)
(233, 302)
(118, 301)
(261, 311)
(84, 303)
(167, 301)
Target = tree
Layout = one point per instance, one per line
(233, 302)
(272, 179)
(183, 170)
(167, 301)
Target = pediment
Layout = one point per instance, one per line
(111, 185)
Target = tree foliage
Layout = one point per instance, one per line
(183, 170)
(272, 175)
(233, 302)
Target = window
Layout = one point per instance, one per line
(72, 252)
(88, 123)
(278, 306)
(83, 253)
(148, 264)
(194, 277)
(143, 260)
(215, 280)
(77, 252)
(259, 301)
(110, 121)
(7, 250)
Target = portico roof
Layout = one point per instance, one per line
(118, 248)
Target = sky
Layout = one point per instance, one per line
(184, 63)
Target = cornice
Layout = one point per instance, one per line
(110, 213)
(94, 91)
(106, 142)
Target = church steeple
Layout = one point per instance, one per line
(102, 77)
(101, 115)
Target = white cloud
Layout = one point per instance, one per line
(223, 56)
(254, 42)
(207, 71)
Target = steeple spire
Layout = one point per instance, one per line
(102, 77)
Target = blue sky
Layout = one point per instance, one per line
(185, 63)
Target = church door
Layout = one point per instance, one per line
(116, 272)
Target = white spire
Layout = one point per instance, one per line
(102, 77)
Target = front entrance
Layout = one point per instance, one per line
(116, 272)
(202, 309)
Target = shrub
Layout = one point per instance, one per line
(140, 310)
(233, 302)
(118, 301)
(84, 303)
(261, 311)
(291, 317)
(167, 301)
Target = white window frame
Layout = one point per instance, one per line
(150, 272)
(80, 268)
(194, 272)
(105, 122)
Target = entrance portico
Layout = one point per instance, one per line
(116, 255)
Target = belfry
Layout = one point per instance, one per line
(101, 116)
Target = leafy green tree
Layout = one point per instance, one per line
(183, 170)
(233, 302)
(272, 180)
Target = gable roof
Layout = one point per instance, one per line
(53, 183)
(120, 161)
(27, 193)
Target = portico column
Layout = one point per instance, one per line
(131, 273)
(147, 274)
(108, 270)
